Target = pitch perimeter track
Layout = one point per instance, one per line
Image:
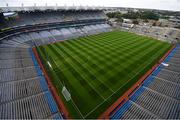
(58, 99)
(132, 90)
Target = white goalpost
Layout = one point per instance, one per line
(66, 93)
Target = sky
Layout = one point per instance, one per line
(154, 4)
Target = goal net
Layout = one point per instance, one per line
(66, 94)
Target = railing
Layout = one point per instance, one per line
(47, 26)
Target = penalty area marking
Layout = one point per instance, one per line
(113, 93)
(77, 108)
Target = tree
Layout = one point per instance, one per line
(154, 24)
(149, 15)
(119, 20)
(114, 15)
(135, 21)
(131, 15)
(134, 15)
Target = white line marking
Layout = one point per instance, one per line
(77, 108)
(118, 88)
(111, 94)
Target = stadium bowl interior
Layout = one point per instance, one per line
(60, 64)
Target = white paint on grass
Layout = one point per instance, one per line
(119, 88)
(49, 64)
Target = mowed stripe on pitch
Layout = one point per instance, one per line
(93, 67)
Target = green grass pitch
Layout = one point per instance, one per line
(98, 69)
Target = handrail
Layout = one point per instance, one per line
(52, 26)
(45, 24)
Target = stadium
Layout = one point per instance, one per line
(70, 63)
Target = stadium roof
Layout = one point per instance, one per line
(9, 14)
(42, 8)
(173, 5)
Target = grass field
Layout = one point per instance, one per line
(98, 69)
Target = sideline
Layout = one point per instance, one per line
(125, 97)
(58, 100)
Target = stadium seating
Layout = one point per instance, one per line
(158, 97)
(24, 93)
(171, 35)
(23, 90)
(38, 17)
(136, 112)
(30, 39)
